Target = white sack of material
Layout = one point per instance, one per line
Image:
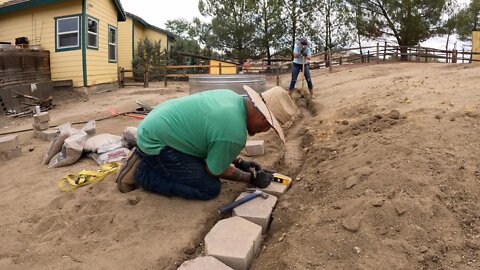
(97, 141)
(72, 150)
(110, 156)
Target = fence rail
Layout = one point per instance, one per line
(335, 57)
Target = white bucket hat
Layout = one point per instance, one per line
(261, 105)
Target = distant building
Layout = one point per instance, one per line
(82, 36)
(134, 29)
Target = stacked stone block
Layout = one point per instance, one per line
(41, 124)
(10, 147)
(41, 121)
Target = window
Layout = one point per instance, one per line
(67, 33)
(92, 33)
(112, 44)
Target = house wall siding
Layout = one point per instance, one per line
(38, 25)
(99, 69)
(476, 45)
(125, 44)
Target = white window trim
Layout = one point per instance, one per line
(58, 34)
(93, 33)
(114, 44)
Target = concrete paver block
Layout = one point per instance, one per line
(201, 263)
(276, 189)
(11, 153)
(234, 241)
(8, 142)
(255, 148)
(46, 135)
(41, 117)
(258, 210)
(41, 126)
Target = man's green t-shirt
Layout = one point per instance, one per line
(211, 125)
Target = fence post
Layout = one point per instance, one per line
(330, 60)
(454, 56)
(418, 53)
(278, 75)
(385, 51)
(165, 76)
(463, 55)
(121, 76)
(378, 53)
(145, 77)
(368, 56)
(339, 61)
(220, 68)
(426, 55)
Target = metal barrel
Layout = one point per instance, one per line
(199, 83)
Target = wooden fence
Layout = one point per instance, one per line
(331, 58)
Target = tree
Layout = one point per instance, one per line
(332, 20)
(408, 21)
(298, 19)
(270, 29)
(468, 20)
(181, 28)
(233, 25)
(149, 54)
(450, 24)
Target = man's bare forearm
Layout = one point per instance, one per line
(234, 174)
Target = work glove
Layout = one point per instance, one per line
(260, 178)
(245, 165)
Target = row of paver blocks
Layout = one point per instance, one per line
(233, 242)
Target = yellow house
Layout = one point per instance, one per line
(476, 45)
(132, 31)
(81, 35)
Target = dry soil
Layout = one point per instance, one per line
(385, 169)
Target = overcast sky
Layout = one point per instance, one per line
(158, 12)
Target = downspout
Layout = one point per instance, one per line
(84, 47)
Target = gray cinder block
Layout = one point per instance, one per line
(8, 142)
(41, 117)
(201, 263)
(234, 241)
(258, 210)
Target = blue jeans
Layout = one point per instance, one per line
(174, 173)
(295, 70)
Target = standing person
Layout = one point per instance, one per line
(301, 55)
(185, 145)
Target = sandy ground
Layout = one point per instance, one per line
(385, 158)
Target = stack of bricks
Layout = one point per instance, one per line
(41, 121)
(9, 147)
(41, 124)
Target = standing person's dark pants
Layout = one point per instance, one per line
(295, 70)
(175, 173)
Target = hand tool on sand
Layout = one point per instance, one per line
(303, 74)
(254, 193)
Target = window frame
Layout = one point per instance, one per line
(57, 34)
(114, 44)
(97, 34)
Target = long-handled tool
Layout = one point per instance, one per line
(303, 74)
(254, 193)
